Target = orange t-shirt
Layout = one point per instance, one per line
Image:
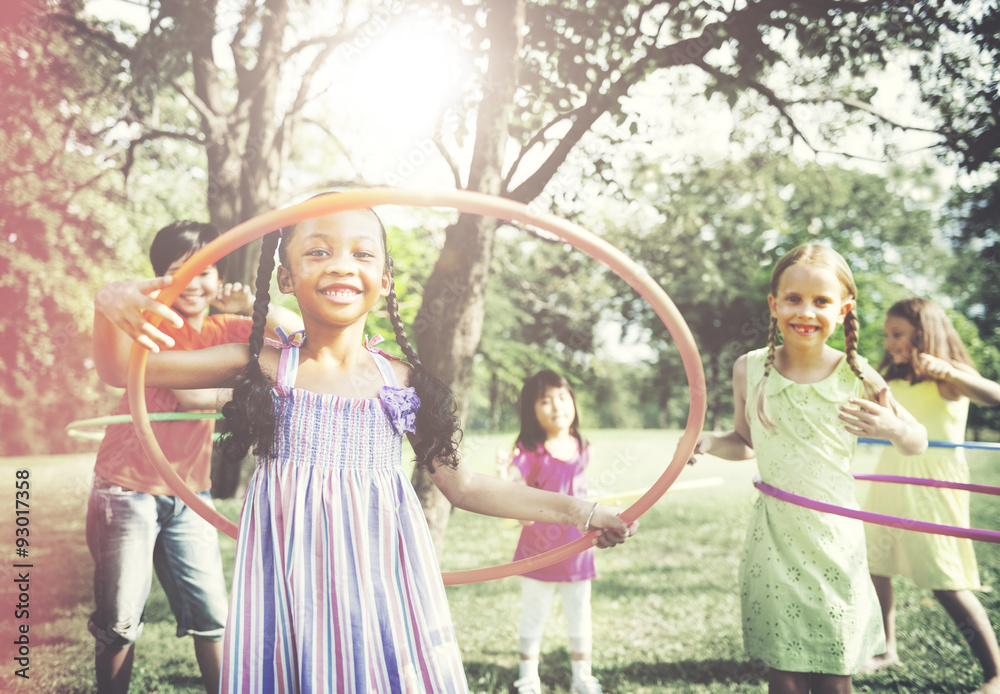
(186, 444)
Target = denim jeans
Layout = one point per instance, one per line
(129, 533)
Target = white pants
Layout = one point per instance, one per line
(537, 599)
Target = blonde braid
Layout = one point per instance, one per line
(762, 414)
(851, 343)
(869, 389)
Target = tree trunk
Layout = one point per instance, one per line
(450, 320)
(243, 161)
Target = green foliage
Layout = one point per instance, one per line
(57, 245)
(413, 251)
(710, 236)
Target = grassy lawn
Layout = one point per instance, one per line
(666, 609)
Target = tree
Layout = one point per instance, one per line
(572, 74)
(57, 246)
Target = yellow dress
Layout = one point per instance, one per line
(934, 562)
(807, 597)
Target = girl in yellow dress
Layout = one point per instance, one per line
(932, 376)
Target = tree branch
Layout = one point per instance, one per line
(149, 136)
(88, 32)
(240, 61)
(203, 109)
(456, 175)
(852, 104)
(773, 99)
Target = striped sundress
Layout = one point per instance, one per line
(336, 586)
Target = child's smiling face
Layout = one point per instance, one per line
(809, 305)
(335, 266)
(555, 410)
(194, 301)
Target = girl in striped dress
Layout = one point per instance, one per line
(336, 586)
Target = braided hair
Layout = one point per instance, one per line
(250, 414)
(825, 257)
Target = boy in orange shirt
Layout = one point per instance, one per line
(134, 521)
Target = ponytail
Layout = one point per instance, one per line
(250, 415)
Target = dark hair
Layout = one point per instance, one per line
(532, 434)
(180, 239)
(250, 416)
(933, 334)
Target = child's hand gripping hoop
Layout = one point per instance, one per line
(470, 203)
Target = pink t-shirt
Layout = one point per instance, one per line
(540, 469)
(186, 444)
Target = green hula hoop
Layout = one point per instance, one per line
(73, 429)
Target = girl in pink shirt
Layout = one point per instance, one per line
(552, 454)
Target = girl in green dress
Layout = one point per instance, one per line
(809, 610)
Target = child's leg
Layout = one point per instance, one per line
(189, 565)
(579, 628)
(113, 667)
(831, 684)
(784, 682)
(974, 624)
(887, 601)
(121, 533)
(209, 655)
(536, 598)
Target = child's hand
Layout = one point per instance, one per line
(936, 368)
(871, 419)
(234, 297)
(612, 530)
(701, 447)
(123, 304)
(505, 470)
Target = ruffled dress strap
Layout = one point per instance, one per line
(400, 403)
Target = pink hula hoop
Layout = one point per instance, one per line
(470, 203)
(891, 521)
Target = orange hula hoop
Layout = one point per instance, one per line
(469, 203)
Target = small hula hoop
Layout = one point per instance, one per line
(73, 428)
(980, 445)
(879, 518)
(470, 203)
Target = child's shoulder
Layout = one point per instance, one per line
(399, 367)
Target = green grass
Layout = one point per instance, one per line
(666, 608)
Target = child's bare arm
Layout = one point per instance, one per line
(884, 418)
(962, 381)
(492, 496)
(203, 398)
(735, 444)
